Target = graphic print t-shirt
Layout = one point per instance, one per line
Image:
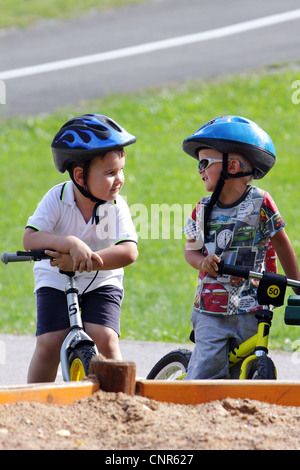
(240, 235)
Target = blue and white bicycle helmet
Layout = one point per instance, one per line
(81, 139)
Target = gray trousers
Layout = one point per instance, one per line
(214, 336)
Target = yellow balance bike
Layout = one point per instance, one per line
(251, 355)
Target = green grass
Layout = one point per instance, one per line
(160, 285)
(23, 13)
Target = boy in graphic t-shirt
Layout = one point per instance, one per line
(239, 224)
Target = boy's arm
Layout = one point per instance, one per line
(117, 256)
(206, 264)
(40, 240)
(114, 257)
(284, 249)
(80, 257)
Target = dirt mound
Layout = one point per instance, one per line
(118, 421)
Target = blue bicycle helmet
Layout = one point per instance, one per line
(235, 134)
(84, 137)
(81, 139)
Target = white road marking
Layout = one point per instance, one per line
(152, 46)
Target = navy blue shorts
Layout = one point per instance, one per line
(101, 306)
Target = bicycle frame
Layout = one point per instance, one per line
(274, 285)
(77, 334)
(253, 347)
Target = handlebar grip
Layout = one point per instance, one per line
(13, 257)
(237, 271)
(35, 255)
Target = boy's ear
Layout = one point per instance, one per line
(233, 166)
(78, 175)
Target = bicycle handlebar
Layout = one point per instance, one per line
(35, 255)
(230, 269)
(238, 271)
(245, 272)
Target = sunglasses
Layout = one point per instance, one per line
(206, 162)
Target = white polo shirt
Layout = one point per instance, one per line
(58, 213)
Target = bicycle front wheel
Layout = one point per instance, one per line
(79, 361)
(172, 366)
(262, 368)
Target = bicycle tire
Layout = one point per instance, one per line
(172, 366)
(262, 368)
(79, 361)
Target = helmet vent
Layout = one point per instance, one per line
(68, 137)
(113, 124)
(84, 136)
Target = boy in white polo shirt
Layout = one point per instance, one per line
(87, 228)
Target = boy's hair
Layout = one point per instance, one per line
(83, 164)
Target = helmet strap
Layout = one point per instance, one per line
(85, 192)
(216, 194)
(218, 189)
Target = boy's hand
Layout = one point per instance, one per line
(62, 261)
(210, 265)
(82, 256)
(79, 257)
(65, 262)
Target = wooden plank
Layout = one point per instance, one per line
(114, 376)
(201, 391)
(49, 393)
(181, 392)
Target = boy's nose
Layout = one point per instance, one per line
(120, 177)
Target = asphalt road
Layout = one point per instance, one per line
(16, 352)
(226, 40)
(216, 51)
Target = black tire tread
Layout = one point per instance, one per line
(84, 352)
(262, 368)
(178, 355)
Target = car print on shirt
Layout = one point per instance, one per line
(213, 298)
